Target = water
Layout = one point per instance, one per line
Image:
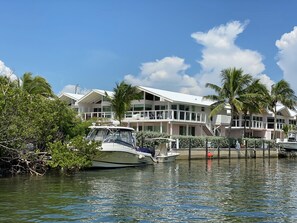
(255, 190)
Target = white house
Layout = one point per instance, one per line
(180, 114)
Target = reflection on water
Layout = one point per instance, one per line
(256, 190)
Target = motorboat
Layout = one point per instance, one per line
(164, 151)
(288, 144)
(118, 148)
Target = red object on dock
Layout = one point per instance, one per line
(209, 155)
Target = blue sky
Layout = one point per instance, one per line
(168, 44)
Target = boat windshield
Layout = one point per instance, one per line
(97, 134)
(122, 136)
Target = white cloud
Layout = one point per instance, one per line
(70, 88)
(219, 52)
(6, 71)
(266, 80)
(287, 59)
(168, 73)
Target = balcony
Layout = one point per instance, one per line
(89, 115)
(152, 115)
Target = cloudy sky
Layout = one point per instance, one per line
(170, 44)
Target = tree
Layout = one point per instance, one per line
(123, 95)
(35, 85)
(28, 124)
(254, 101)
(231, 94)
(283, 93)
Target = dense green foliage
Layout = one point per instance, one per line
(29, 122)
(73, 156)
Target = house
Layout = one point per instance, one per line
(71, 99)
(181, 114)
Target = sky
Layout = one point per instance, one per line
(173, 45)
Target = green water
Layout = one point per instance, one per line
(255, 190)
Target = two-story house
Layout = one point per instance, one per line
(182, 114)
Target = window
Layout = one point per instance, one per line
(149, 97)
(182, 130)
(192, 130)
(106, 109)
(97, 109)
(160, 107)
(235, 121)
(157, 98)
(138, 107)
(270, 122)
(202, 109)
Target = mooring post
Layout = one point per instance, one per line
(263, 144)
(255, 155)
(206, 149)
(246, 149)
(219, 151)
(268, 149)
(190, 149)
(229, 148)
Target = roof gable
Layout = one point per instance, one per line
(66, 96)
(94, 95)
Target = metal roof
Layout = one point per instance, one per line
(177, 97)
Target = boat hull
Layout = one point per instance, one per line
(170, 157)
(290, 146)
(118, 159)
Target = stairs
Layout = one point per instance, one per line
(207, 130)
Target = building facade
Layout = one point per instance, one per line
(180, 114)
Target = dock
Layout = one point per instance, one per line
(225, 153)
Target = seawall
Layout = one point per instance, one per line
(200, 153)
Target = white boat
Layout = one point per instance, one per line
(290, 143)
(165, 153)
(118, 148)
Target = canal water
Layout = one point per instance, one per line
(253, 190)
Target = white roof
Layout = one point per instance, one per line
(75, 97)
(93, 95)
(177, 97)
(280, 107)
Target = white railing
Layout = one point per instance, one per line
(167, 115)
(89, 115)
(152, 115)
(255, 124)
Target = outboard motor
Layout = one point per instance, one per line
(292, 137)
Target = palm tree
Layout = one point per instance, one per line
(254, 101)
(232, 93)
(123, 95)
(36, 85)
(283, 93)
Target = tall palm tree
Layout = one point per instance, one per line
(283, 93)
(254, 101)
(123, 95)
(232, 93)
(36, 85)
